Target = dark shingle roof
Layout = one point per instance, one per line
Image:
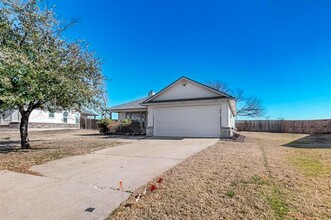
(135, 104)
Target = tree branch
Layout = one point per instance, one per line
(23, 39)
(252, 106)
(21, 109)
(70, 24)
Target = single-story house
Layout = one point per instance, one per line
(42, 119)
(185, 108)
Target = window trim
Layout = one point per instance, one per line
(49, 113)
(65, 119)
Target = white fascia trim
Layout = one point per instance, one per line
(181, 103)
(129, 110)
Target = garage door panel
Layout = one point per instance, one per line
(188, 121)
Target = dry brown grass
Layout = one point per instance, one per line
(256, 179)
(47, 146)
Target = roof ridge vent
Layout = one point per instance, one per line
(151, 93)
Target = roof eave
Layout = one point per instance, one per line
(184, 100)
(143, 108)
(90, 114)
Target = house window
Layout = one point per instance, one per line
(77, 117)
(51, 115)
(65, 117)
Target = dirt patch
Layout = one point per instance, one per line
(255, 179)
(47, 146)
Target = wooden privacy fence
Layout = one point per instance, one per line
(286, 126)
(88, 123)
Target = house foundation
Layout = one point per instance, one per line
(149, 131)
(226, 132)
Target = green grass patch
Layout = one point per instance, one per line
(255, 179)
(309, 165)
(271, 193)
(277, 203)
(230, 194)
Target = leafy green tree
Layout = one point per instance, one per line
(39, 68)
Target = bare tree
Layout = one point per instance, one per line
(103, 108)
(251, 107)
(219, 85)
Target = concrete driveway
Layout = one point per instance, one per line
(71, 185)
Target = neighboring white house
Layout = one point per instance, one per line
(42, 119)
(185, 108)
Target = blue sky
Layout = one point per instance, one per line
(278, 50)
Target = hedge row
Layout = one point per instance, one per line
(126, 126)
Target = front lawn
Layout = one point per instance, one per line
(268, 176)
(47, 146)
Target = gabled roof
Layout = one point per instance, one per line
(135, 104)
(221, 94)
(143, 102)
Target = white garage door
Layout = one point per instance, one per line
(188, 121)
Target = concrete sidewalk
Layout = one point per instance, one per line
(71, 185)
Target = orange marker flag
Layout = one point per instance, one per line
(121, 188)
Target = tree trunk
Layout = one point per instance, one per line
(24, 131)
